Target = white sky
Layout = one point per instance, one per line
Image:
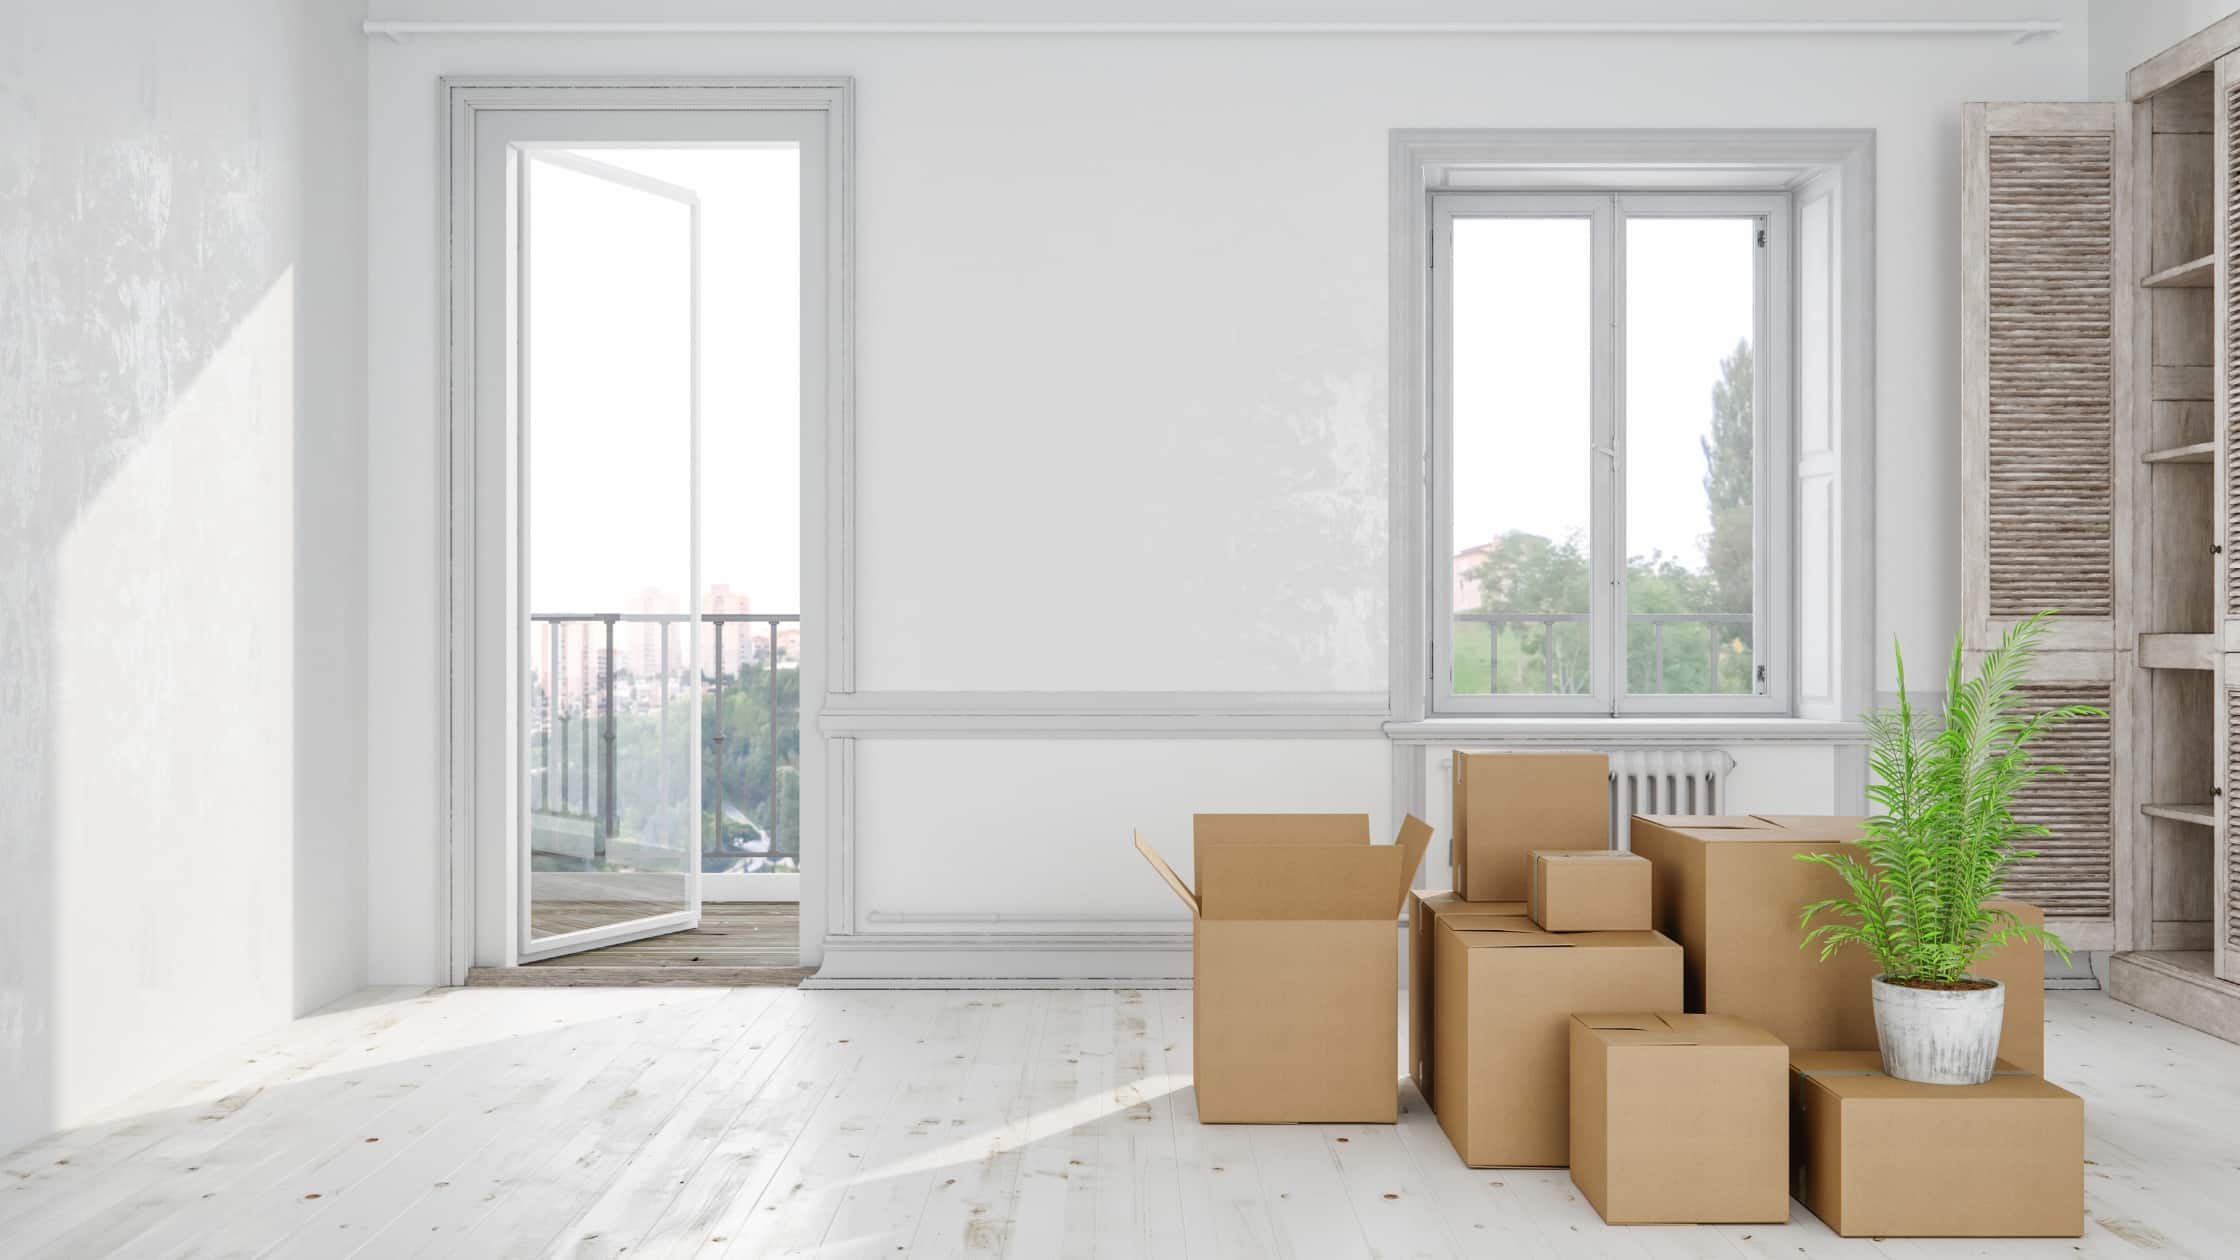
(609, 374)
(1522, 354)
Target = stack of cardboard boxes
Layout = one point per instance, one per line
(1647, 1018)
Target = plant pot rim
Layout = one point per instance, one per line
(1883, 978)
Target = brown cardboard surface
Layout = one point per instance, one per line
(1679, 1119)
(1872, 1156)
(1424, 909)
(1507, 804)
(1594, 890)
(1293, 953)
(1501, 996)
(1731, 890)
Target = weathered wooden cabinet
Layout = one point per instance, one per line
(2101, 446)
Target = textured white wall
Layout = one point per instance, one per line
(2124, 33)
(1122, 348)
(182, 616)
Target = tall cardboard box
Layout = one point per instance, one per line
(1293, 954)
(1506, 804)
(1730, 890)
(1679, 1119)
(1502, 994)
(1873, 1156)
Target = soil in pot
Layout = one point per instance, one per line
(1946, 986)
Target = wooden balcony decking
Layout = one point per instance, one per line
(737, 943)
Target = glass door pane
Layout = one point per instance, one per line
(1522, 489)
(1691, 316)
(608, 325)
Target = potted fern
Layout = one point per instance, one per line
(1941, 843)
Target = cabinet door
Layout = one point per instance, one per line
(2045, 294)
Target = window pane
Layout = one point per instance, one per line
(1521, 382)
(1690, 460)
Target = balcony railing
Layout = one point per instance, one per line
(1495, 621)
(563, 783)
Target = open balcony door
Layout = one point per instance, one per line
(605, 298)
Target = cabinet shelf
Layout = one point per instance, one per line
(2192, 453)
(2178, 651)
(2197, 274)
(2203, 814)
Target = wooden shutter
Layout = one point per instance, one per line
(2227, 935)
(2041, 308)
(2046, 309)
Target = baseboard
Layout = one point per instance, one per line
(1004, 960)
(2177, 985)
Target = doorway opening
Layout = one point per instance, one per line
(647, 357)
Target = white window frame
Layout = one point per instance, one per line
(1773, 619)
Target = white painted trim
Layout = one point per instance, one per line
(1105, 715)
(827, 455)
(999, 959)
(1423, 161)
(1636, 732)
(2019, 29)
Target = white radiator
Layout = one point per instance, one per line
(1664, 781)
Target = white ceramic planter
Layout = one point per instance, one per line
(1938, 1036)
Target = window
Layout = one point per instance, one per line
(1609, 450)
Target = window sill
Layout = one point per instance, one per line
(1644, 731)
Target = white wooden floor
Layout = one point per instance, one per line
(775, 1122)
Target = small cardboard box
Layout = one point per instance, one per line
(1292, 958)
(1502, 991)
(1874, 1156)
(1730, 890)
(1506, 804)
(1590, 891)
(1679, 1119)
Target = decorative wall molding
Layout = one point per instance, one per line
(2020, 30)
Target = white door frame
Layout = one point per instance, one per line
(480, 756)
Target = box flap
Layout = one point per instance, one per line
(1816, 826)
(1414, 838)
(1298, 881)
(1708, 822)
(1585, 855)
(1166, 873)
(1502, 931)
(1676, 1029)
(1208, 831)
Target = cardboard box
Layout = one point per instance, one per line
(1730, 891)
(1506, 804)
(1498, 1017)
(1874, 1156)
(1589, 891)
(1424, 908)
(1679, 1119)
(1293, 951)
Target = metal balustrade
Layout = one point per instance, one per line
(563, 752)
(1495, 621)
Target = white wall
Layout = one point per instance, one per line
(2124, 33)
(182, 532)
(1122, 369)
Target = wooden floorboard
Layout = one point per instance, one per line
(738, 943)
(1031, 1123)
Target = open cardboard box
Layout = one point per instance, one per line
(1730, 890)
(1293, 954)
